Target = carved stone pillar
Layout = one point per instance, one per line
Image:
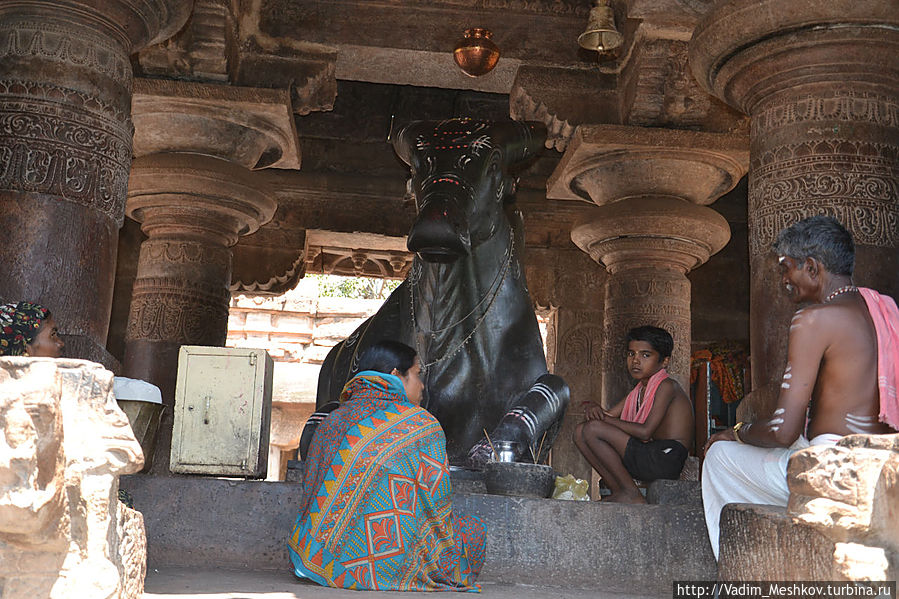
(820, 82)
(192, 208)
(194, 194)
(65, 151)
(651, 227)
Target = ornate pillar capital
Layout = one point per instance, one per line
(190, 195)
(247, 126)
(746, 52)
(652, 232)
(608, 163)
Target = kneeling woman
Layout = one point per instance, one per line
(376, 510)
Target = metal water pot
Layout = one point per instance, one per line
(504, 451)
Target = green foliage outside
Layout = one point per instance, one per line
(354, 287)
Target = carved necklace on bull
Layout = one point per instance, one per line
(489, 297)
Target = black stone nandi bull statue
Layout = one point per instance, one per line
(464, 305)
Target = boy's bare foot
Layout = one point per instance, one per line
(625, 498)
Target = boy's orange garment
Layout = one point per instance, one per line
(630, 411)
(885, 316)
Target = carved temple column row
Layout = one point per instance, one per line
(820, 81)
(194, 192)
(65, 152)
(651, 227)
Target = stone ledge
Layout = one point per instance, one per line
(194, 521)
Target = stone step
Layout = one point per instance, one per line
(217, 583)
(198, 522)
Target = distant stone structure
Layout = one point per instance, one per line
(63, 444)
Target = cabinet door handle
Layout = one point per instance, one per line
(206, 413)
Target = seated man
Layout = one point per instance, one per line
(376, 510)
(646, 436)
(837, 348)
(28, 329)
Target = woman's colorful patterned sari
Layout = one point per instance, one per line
(376, 511)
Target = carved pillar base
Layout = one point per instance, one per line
(193, 209)
(65, 151)
(821, 84)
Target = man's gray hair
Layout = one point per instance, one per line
(822, 238)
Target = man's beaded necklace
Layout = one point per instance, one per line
(840, 291)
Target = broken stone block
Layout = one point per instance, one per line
(63, 444)
(860, 562)
(850, 494)
(761, 542)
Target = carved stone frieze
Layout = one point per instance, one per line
(60, 43)
(658, 89)
(176, 252)
(349, 263)
(67, 150)
(178, 311)
(581, 346)
(357, 254)
(199, 50)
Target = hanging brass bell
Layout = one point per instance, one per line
(600, 34)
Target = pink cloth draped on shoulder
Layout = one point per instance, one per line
(630, 412)
(885, 315)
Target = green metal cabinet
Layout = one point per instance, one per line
(223, 406)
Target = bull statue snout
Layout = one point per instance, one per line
(440, 233)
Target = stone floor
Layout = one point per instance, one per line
(186, 583)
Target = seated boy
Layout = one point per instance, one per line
(646, 436)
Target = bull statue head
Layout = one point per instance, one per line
(460, 179)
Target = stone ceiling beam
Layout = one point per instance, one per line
(412, 43)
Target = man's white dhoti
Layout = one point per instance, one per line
(737, 473)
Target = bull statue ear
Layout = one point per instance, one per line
(404, 140)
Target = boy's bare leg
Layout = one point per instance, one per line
(595, 461)
(603, 445)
